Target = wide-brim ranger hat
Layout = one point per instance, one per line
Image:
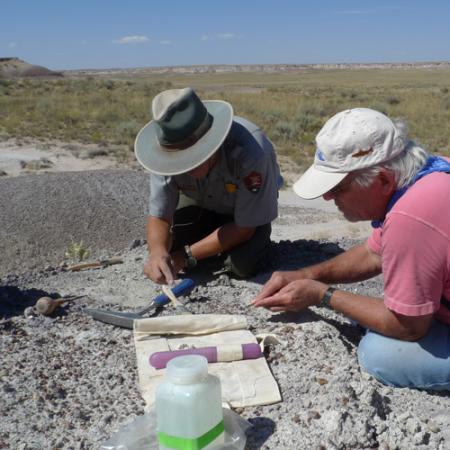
(184, 132)
(351, 140)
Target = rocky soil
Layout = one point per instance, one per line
(68, 382)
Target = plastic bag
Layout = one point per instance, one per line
(140, 434)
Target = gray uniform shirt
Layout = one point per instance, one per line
(243, 183)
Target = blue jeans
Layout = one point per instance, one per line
(423, 364)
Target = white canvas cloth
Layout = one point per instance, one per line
(244, 383)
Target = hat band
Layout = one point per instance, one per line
(193, 137)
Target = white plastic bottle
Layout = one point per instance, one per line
(189, 406)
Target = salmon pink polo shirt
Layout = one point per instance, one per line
(414, 245)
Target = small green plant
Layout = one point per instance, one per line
(77, 251)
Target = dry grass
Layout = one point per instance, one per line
(290, 108)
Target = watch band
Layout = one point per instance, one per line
(325, 302)
(191, 261)
(187, 251)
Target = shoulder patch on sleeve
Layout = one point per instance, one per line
(253, 181)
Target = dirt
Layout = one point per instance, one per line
(68, 382)
(31, 156)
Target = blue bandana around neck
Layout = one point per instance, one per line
(433, 164)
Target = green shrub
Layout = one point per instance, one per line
(272, 117)
(305, 122)
(5, 82)
(392, 100)
(44, 104)
(283, 131)
(129, 128)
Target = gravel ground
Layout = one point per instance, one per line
(68, 382)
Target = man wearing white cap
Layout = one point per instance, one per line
(372, 171)
(213, 186)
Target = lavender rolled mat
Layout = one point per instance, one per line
(222, 353)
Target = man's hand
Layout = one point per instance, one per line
(294, 296)
(160, 268)
(276, 282)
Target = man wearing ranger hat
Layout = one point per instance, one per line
(213, 186)
(372, 171)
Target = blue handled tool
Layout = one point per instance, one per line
(126, 319)
(181, 288)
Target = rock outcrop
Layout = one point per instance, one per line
(13, 67)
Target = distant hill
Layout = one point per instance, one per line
(14, 67)
(256, 68)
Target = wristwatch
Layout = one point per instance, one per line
(325, 302)
(190, 260)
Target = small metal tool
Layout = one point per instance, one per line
(126, 319)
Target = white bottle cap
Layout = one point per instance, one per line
(187, 369)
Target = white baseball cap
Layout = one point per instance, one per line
(351, 140)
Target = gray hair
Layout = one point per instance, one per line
(404, 166)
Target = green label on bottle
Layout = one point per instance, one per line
(179, 443)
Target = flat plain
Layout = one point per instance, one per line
(69, 382)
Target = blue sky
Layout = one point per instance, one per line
(76, 34)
